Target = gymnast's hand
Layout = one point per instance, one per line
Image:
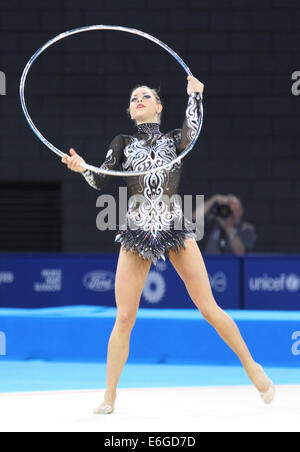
(74, 161)
(194, 85)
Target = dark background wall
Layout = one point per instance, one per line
(245, 52)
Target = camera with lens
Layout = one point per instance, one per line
(220, 211)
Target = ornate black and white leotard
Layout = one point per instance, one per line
(154, 221)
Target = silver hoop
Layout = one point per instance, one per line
(94, 28)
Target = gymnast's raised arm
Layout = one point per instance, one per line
(193, 115)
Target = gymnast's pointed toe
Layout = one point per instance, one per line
(104, 408)
(269, 395)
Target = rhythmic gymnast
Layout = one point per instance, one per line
(153, 236)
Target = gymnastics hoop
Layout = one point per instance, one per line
(94, 28)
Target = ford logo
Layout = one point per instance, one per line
(99, 281)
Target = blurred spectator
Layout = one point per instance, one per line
(225, 232)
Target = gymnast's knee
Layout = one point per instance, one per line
(125, 321)
(210, 310)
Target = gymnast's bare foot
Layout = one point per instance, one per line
(108, 404)
(263, 384)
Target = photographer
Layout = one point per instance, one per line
(225, 232)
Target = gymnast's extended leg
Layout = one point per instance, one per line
(191, 268)
(131, 275)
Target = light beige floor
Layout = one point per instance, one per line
(191, 409)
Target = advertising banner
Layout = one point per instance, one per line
(35, 280)
(272, 282)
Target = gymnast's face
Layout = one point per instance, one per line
(149, 111)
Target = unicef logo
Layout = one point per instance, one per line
(99, 281)
(284, 282)
(292, 283)
(155, 288)
(218, 282)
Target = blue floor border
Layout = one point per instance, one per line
(159, 336)
(29, 376)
